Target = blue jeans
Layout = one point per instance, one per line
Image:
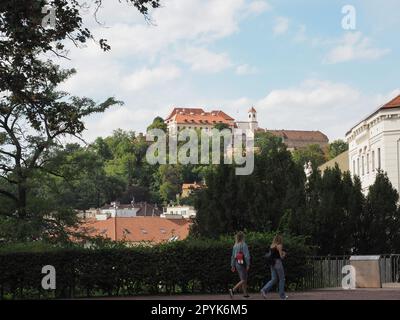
(277, 273)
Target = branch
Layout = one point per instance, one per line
(9, 195)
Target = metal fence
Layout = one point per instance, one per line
(326, 272)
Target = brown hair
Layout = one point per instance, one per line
(278, 240)
(239, 237)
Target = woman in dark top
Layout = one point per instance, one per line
(277, 271)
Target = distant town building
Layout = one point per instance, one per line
(116, 209)
(179, 212)
(196, 118)
(251, 123)
(187, 118)
(374, 144)
(297, 139)
(153, 230)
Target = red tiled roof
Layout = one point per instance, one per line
(253, 110)
(199, 116)
(395, 103)
(136, 229)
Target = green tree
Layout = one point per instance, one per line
(312, 153)
(158, 123)
(49, 115)
(380, 219)
(256, 202)
(337, 147)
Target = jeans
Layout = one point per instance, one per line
(277, 273)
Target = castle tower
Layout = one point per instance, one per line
(252, 119)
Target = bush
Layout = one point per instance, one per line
(190, 266)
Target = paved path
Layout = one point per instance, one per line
(329, 294)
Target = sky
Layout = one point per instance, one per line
(290, 59)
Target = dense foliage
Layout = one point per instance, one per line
(190, 266)
(330, 207)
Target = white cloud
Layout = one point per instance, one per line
(203, 60)
(245, 69)
(190, 20)
(258, 7)
(301, 35)
(149, 77)
(330, 107)
(281, 25)
(354, 46)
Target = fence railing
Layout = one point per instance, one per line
(326, 271)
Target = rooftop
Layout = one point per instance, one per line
(198, 116)
(137, 229)
(392, 104)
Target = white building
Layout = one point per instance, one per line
(117, 210)
(196, 118)
(179, 212)
(374, 144)
(251, 122)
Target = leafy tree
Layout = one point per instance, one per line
(50, 116)
(256, 202)
(312, 153)
(380, 219)
(337, 147)
(158, 123)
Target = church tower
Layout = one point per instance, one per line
(252, 119)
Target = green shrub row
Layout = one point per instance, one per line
(190, 266)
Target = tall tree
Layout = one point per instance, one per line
(255, 202)
(32, 124)
(380, 219)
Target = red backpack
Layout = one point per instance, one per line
(240, 257)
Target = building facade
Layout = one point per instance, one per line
(179, 212)
(297, 139)
(188, 118)
(196, 118)
(374, 144)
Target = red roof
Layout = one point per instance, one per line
(310, 136)
(395, 103)
(188, 116)
(253, 110)
(137, 229)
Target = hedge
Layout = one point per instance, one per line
(190, 266)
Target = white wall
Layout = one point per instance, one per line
(381, 131)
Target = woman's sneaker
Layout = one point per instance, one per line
(264, 295)
(231, 293)
(285, 298)
(246, 296)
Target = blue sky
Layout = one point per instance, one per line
(291, 59)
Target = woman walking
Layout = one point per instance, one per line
(276, 255)
(240, 262)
